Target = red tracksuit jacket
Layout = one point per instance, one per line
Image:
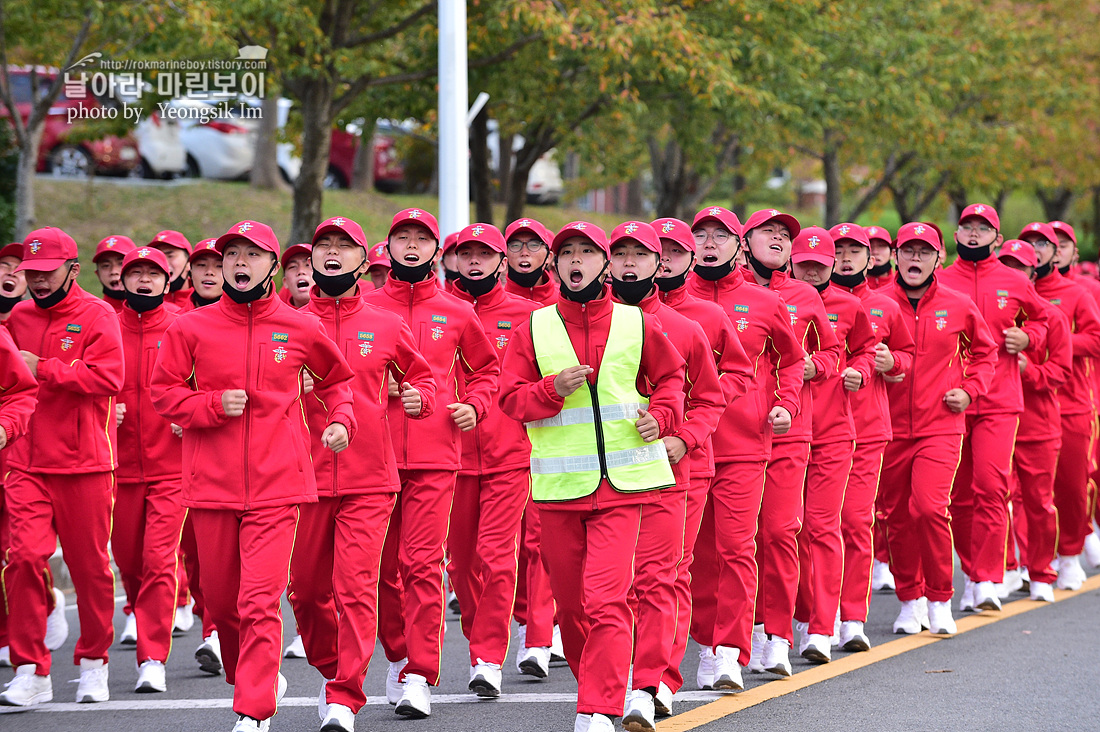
(811, 327)
(179, 298)
(115, 304)
(1092, 286)
(870, 405)
(80, 374)
(1048, 370)
(449, 336)
(735, 369)
(261, 458)
(832, 410)
(147, 449)
(544, 294)
(498, 442)
(1076, 395)
(764, 328)
(878, 283)
(526, 395)
(953, 349)
(18, 393)
(374, 342)
(1005, 297)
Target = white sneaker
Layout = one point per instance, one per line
(922, 612)
(1042, 591)
(1070, 574)
(639, 712)
(966, 599)
(580, 724)
(209, 655)
(1012, 582)
(322, 700)
(416, 698)
(93, 681)
(27, 689)
(534, 662)
(756, 655)
(246, 724)
(600, 723)
(150, 677)
(704, 676)
(1025, 577)
(295, 649)
(834, 639)
(803, 631)
(264, 725)
(557, 650)
(662, 703)
(852, 637)
(184, 620)
(939, 618)
(817, 649)
(727, 670)
(339, 719)
(394, 687)
(776, 656)
(985, 596)
(908, 620)
(485, 679)
(129, 632)
(5, 657)
(57, 625)
(881, 576)
(1092, 549)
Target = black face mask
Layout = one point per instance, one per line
(252, 294)
(337, 285)
(973, 254)
(142, 303)
(177, 284)
(879, 270)
(404, 273)
(479, 287)
(590, 291)
(56, 296)
(1064, 270)
(822, 287)
(758, 266)
(715, 273)
(525, 279)
(114, 294)
(7, 303)
(849, 280)
(913, 288)
(668, 284)
(633, 293)
(1043, 270)
(450, 274)
(201, 302)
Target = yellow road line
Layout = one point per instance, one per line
(733, 703)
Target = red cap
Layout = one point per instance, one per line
(146, 254)
(487, 234)
(119, 244)
(763, 216)
(1064, 228)
(585, 230)
(922, 232)
(878, 232)
(982, 211)
(723, 216)
(306, 249)
(676, 230)
(15, 249)
(378, 255)
(450, 241)
(638, 231)
(345, 226)
(205, 248)
(1086, 269)
(46, 249)
(173, 239)
(415, 216)
(813, 244)
(531, 226)
(1044, 230)
(253, 231)
(853, 232)
(1019, 250)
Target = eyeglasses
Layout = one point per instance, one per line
(922, 253)
(720, 236)
(533, 245)
(1042, 244)
(982, 229)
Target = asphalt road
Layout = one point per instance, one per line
(1034, 671)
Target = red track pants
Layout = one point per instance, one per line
(189, 551)
(1072, 488)
(484, 549)
(781, 516)
(695, 502)
(857, 526)
(534, 606)
(1033, 513)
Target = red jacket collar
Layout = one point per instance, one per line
(709, 289)
(490, 299)
(414, 292)
(651, 303)
(133, 320)
(672, 298)
(575, 312)
(328, 306)
(261, 307)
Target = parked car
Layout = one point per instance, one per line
(109, 155)
(544, 183)
(161, 151)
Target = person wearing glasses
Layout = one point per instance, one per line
(529, 272)
(953, 364)
(1071, 482)
(1015, 315)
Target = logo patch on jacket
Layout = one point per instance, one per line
(742, 324)
(1002, 299)
(66, 343)
(504, 324)
(941, 319)
(439, 319)
(437, 333)
(280, 337)
(366, 344)
(876, 313)
(833, 318)
(741, 308)
(72, 328)
(280, 354)
(1056, 301)
(502, 341)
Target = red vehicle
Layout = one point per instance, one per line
(389, 174)
(109, 155)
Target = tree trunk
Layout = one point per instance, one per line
(1000, 198)
(667, 164)
(481, 168)
(362, 170)
(1096, 216)
(504, 156)
(1055, 202)
(316, 99)
(958, 197)
(635, 201)
(737, 198)
(265, 173)
(831, 167)
(24, 181)
(533, 147)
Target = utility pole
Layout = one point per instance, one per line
(454, 141)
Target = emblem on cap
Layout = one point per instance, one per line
(845, 229)
(161, 237)
(773, 212)
(525, 223)
(872, 231)
(715, 210)
(1035, 227)
(414, 214)
(143, 253)
(631, 228)
(111, 242)
(477, 230)
(35, 246)
(243, 228)
(813, 241)
(667, 227)
(580, 226)
(338, 221)
(979, 209)
(918, 230)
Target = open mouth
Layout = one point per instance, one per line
(8, 287)
(847, 269)
(776, 248)
(41, 292)
(114, 284)
(664, 271)
(575, 276)
(914, 270)
(332, 266)
(409, 258)
(630, 276)
(143, 290)
(241, 280)
(209, 283)
(710, 259)
(475, 274)
(302, 284)
(523, 266)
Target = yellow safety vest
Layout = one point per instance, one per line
(594, 437)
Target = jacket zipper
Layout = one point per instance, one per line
(597, 422)
(140, 388)
(477, 428)
(248, 416)
(339, 340)
(405, 417)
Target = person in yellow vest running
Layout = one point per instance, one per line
(577, 374)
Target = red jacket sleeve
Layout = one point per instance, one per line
(475, 353)
(171, 391)
(18, 389)
(332, 379)
(1036, 319)
(788, 360)
(860, 346)
(826, 356)
(706, 400)
(525, 394)
(981, 353)
(99, 372)
(1086, 327)
(1049, 368)
(735, 370)
(410, 366)
(901, 345)
(662, 367)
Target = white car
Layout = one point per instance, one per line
(544, 182)
(224, 146)
(160, 147)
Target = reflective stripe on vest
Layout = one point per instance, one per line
(594, 436)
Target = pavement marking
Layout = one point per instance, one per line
(731, 703)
